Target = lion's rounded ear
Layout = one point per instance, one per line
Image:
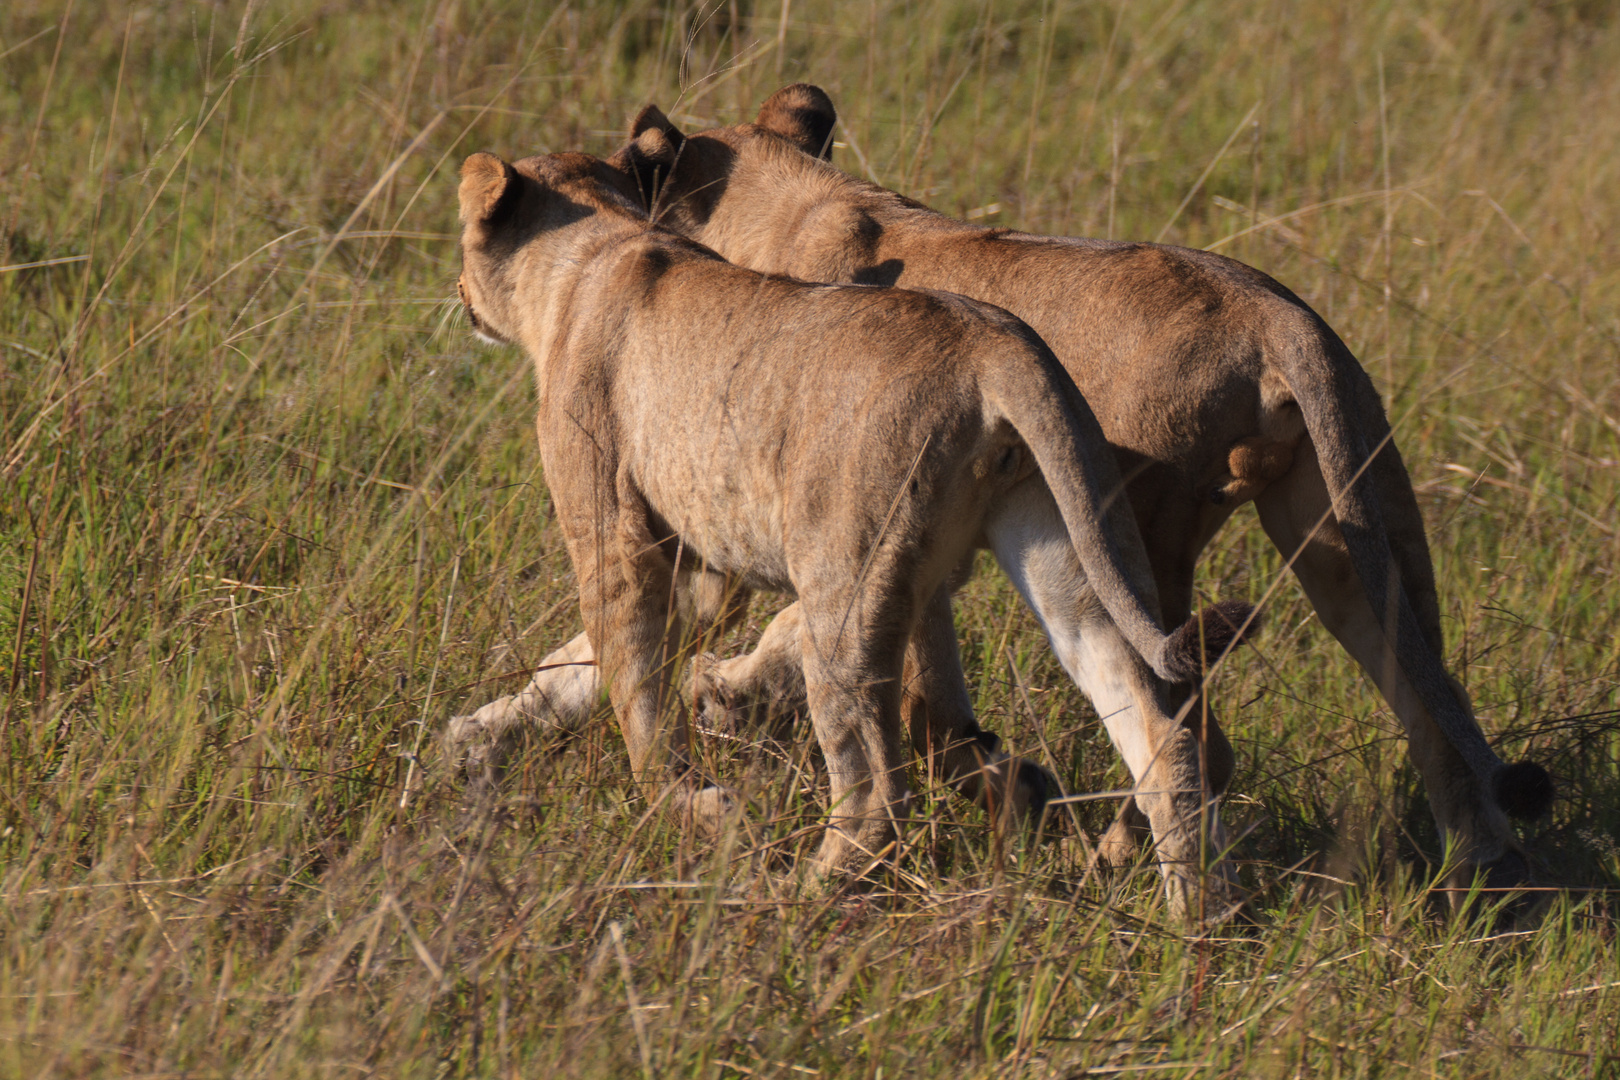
(802, 114)
(652, 117)
(489, 189)
(651, 156)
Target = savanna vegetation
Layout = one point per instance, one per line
(269, 515)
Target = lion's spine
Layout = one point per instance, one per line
(1321, 371)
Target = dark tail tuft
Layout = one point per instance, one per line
(1523, 790)
(1217, 628)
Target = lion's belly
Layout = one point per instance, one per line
(724, 512)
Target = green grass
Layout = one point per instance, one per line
(268, 516)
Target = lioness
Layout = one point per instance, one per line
(850, 445)
(1214, 383)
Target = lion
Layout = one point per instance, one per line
(848, 445)
(1216, 386)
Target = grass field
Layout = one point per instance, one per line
(268, 516)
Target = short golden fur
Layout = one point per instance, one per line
(849, 445)
(1215, 384)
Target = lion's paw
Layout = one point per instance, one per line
(712, 807)
(1011, 787)
(713, 704)
(477, 745)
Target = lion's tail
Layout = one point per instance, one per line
(1373, 501)
(1047, 410)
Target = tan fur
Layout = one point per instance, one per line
(847, 445)
(1215, 384)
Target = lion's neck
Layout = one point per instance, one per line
(556, 269)
(791, 214)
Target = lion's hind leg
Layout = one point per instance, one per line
(1173, 785)
(1296, 514)
(853, 639)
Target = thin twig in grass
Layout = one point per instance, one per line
(1216, 160)
(63, 261)
(369, 479)
(930, 991)
(414, 758)
(616, 931)
(39, 119)
(1276, 222)
(29, 40)
(126, 253)
(1480, 477)
(183, 312)
(711, 82)
(376, 189)
(137, 883)
(384, 537)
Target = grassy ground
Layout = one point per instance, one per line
(268, 516)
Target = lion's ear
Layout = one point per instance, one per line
(652, 154)
(650, 117)
(489, 189)
(802, 114)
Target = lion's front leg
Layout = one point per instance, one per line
(763, 689)
(560, 697)
(567, 686)
(626, 595)
(852, 676)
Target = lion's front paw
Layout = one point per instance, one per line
(711, 807)
(714, 706)
(1120, 844)
(477, 748)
